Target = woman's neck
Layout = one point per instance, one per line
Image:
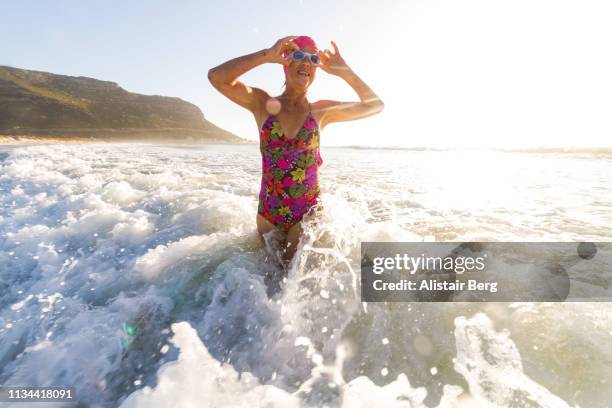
(294, 99)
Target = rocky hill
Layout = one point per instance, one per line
(37, 103)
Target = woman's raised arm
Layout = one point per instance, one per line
(225, 76)
(333, 111)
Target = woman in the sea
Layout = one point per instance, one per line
(289, 127)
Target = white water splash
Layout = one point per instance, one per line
(104, 248)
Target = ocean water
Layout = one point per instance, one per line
(134, 273)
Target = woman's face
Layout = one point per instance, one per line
(300, 74)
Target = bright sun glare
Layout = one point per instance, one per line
(482, 74)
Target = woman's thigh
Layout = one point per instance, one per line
(295, 233)
(263, 225)
(293, 238)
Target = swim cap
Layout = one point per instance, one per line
(302, 41)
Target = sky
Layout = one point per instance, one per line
(470, 73)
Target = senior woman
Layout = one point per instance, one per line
(289, 128)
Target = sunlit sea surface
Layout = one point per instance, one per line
(134, 273)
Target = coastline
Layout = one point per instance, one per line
(40, 139)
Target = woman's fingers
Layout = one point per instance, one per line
(281, 44)
(336, 51)
(288, 41)
(292, 46)
(288, 47)
(288, 38)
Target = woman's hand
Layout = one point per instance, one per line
(284, 45)
(332, 62)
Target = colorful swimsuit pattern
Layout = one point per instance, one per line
(290, 180)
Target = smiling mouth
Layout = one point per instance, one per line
(304, 73)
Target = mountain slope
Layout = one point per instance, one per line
(41, 103)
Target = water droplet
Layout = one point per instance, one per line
(273, 106)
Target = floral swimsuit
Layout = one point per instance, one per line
(290, 181)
